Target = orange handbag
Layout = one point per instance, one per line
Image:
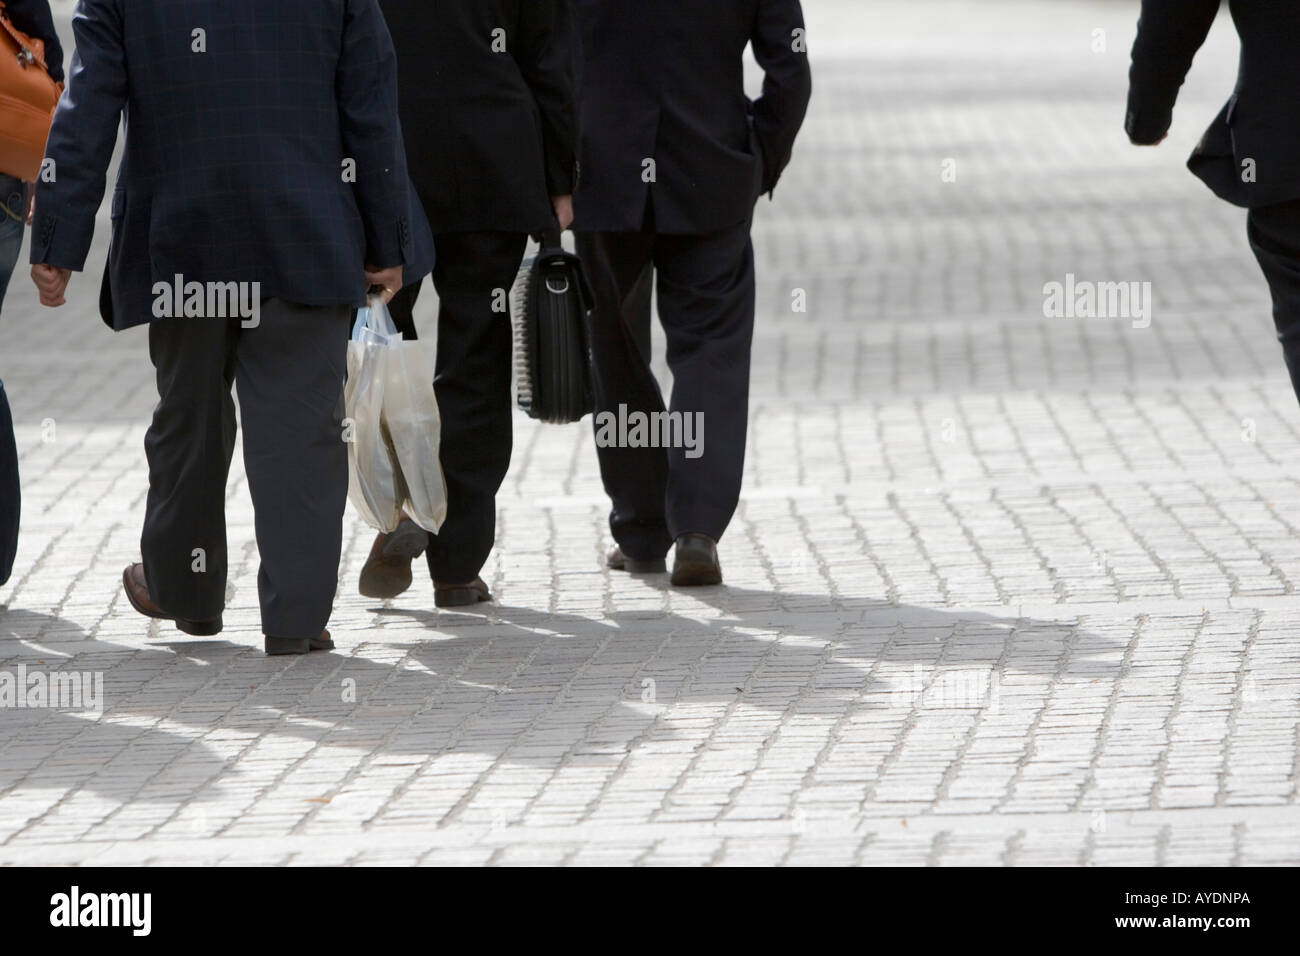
(27, 100)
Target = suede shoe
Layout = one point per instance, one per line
(387, 572)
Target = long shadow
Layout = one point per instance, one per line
(515, 685)
(523, 685)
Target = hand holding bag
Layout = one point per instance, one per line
(393, 464)
(27, 100)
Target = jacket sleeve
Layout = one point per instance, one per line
(780, 46)
(1169, 34)
(545, 57)
(33, 17)
(82, 138)
(366, 88)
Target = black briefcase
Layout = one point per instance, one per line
(549, 304)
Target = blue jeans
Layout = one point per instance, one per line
(12, 195)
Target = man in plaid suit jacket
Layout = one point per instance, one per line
(262, 189)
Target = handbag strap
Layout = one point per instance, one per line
(34, 49)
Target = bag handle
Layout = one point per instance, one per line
(30, 51)
(374, 319)
(552, 250)
(549, 240)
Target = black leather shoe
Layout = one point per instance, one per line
(298, 645)
(460, 595)
(696, 564)
(616, 560)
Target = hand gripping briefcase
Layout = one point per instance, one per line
(549, 304)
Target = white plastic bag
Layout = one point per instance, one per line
(393, 457)
(410, 413)
(373, 475)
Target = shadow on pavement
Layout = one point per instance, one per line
(123, 754)
(514, 685)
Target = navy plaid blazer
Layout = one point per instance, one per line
(262, 144)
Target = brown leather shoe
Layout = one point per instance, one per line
(298, 645)
(460, 595)
(387, 572)
(137, 592)
(696, 563)
(616, 560)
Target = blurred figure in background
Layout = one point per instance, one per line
(674, 156)
(33, 18)
(487, 106)
(1250, 156)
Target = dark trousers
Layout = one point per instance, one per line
(289, 371)
(10, 496)
(1275, 237)
(12, 196)
(472, 382)
(706, 306)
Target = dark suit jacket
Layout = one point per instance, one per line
(490, 135)
(664, 80)
(33, 18)
(234, 159)
(1261, 122)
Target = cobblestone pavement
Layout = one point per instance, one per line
(1002, 589)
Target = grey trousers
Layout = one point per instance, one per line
(289, 371)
